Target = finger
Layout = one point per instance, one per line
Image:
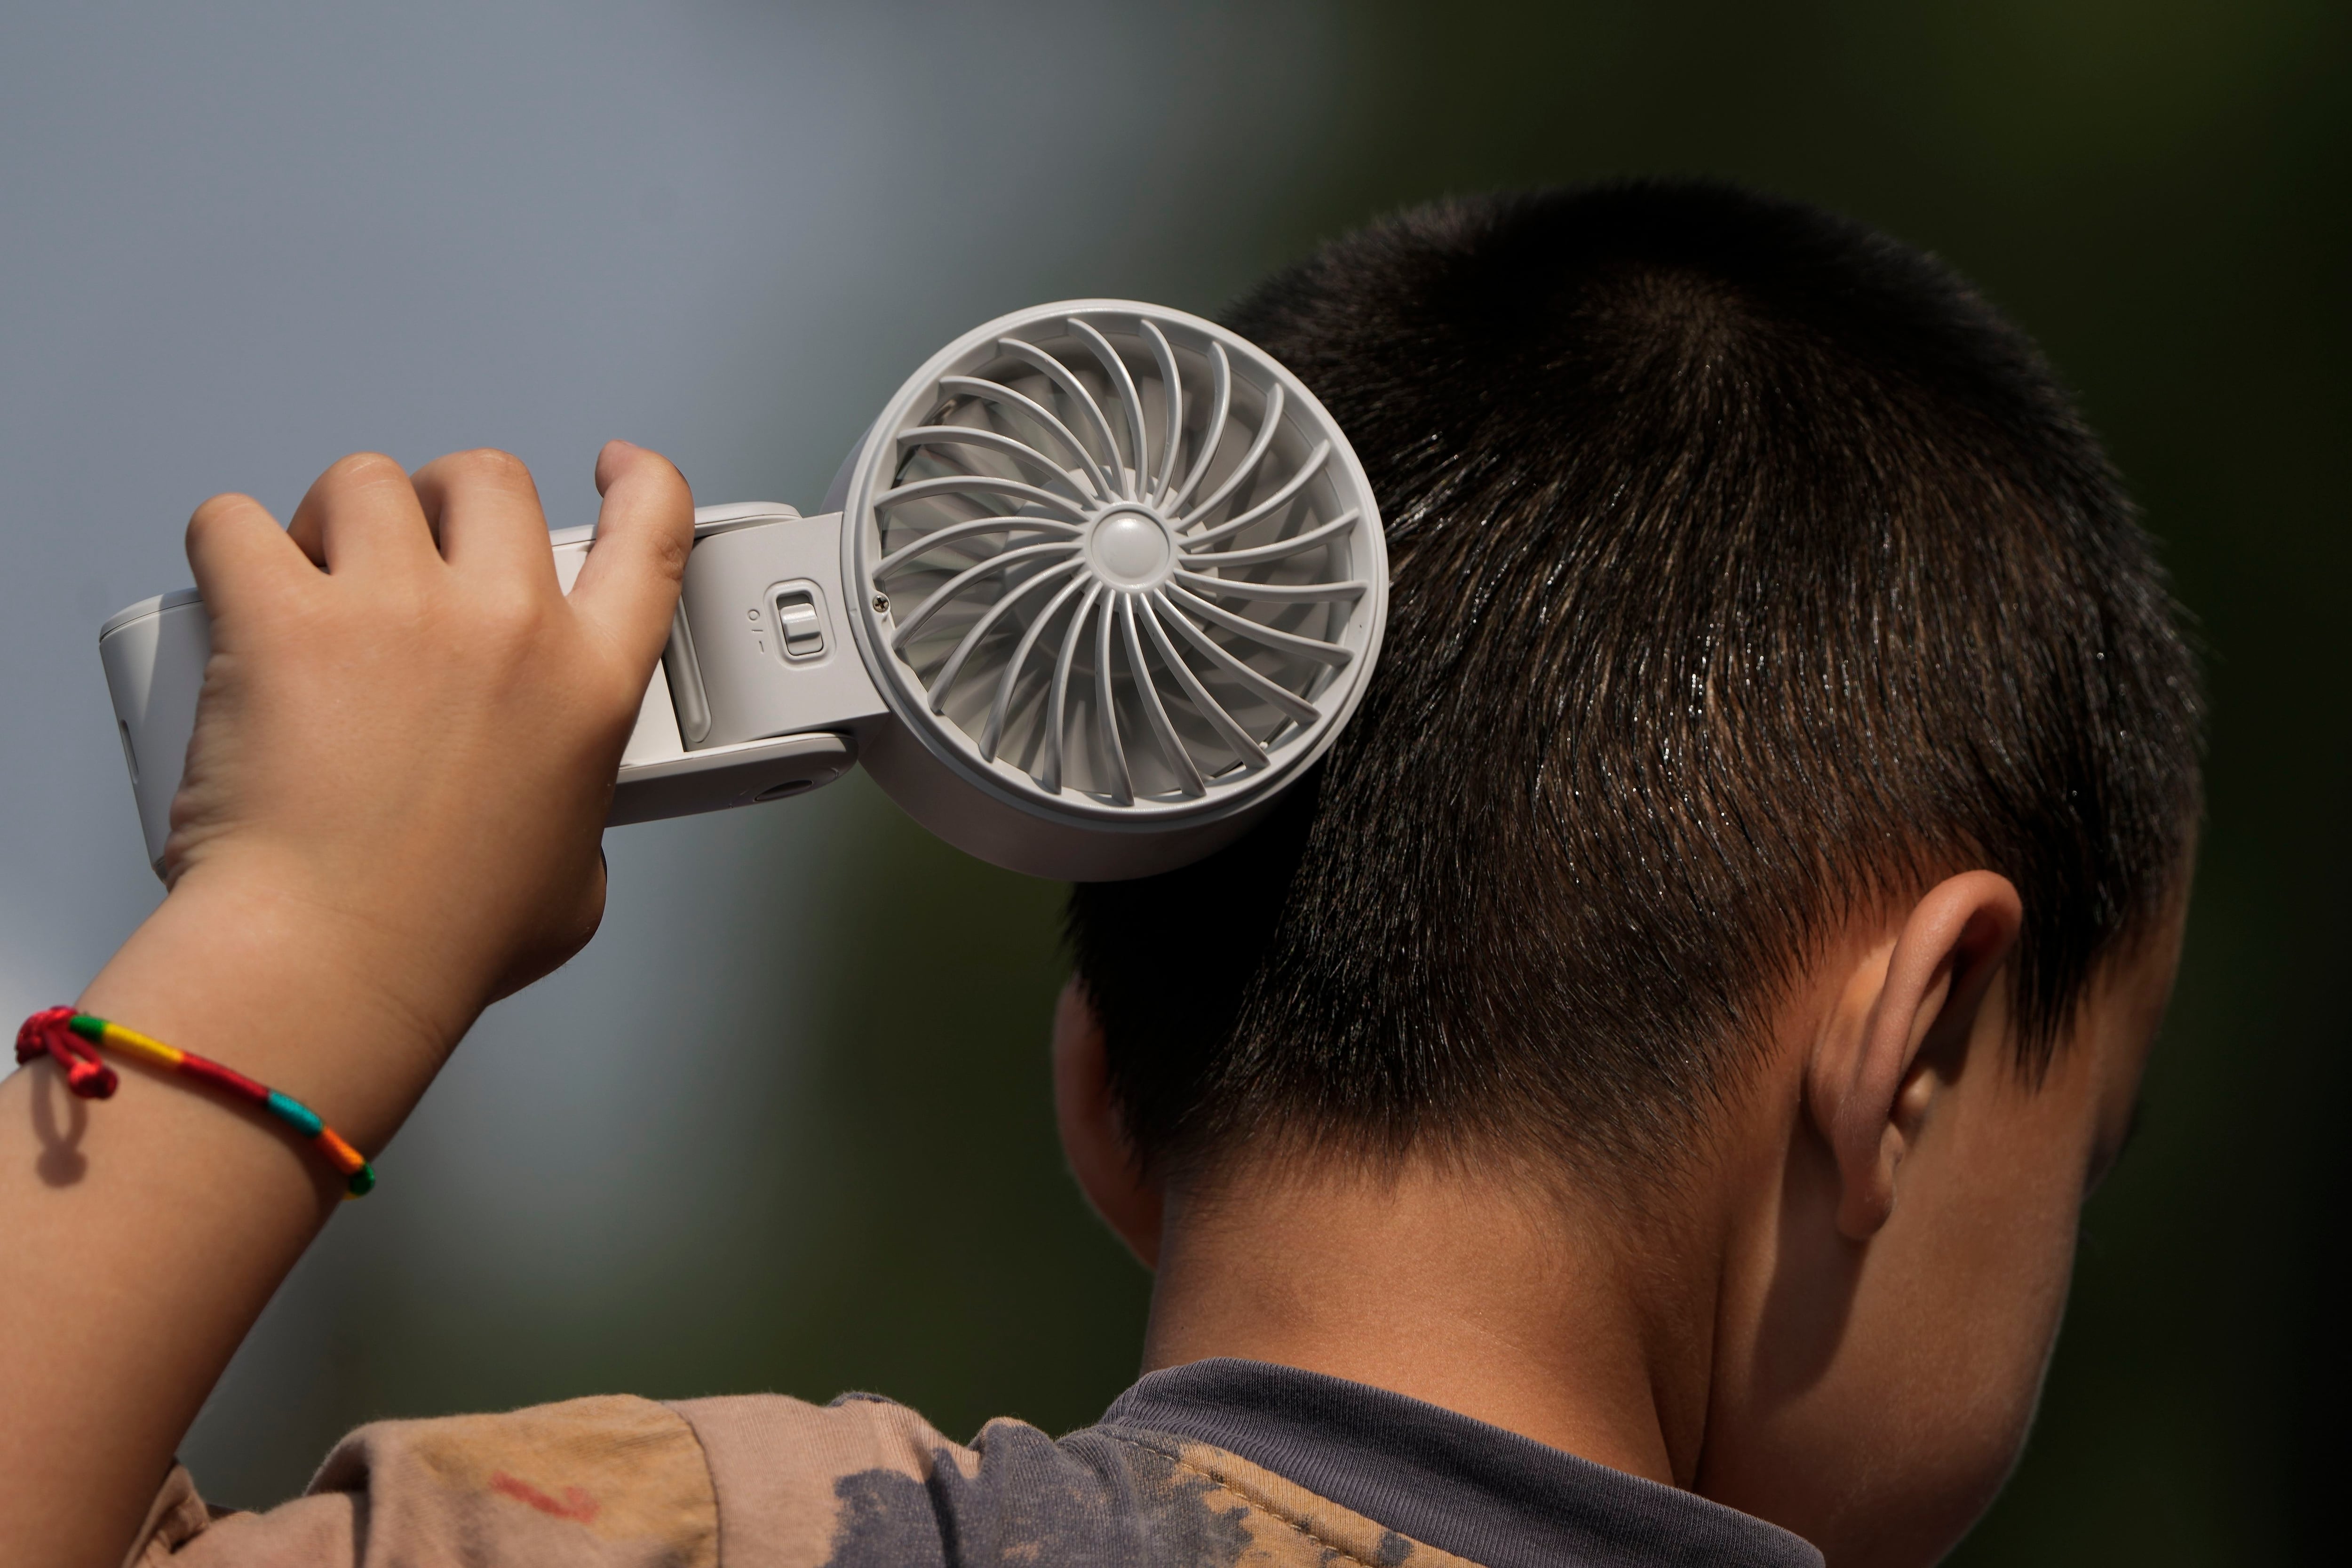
(485, 511)
(363, 514)
(242, 558)
(628, 588)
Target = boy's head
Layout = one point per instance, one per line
(1753, 582)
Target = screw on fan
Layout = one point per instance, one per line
(1113, 589)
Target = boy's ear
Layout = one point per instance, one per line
(1092, 1137)
(1900, 1033)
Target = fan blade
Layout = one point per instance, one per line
(994, 732)
(1030, 353)
(1245, 745)
(1122, 379)
(997, 392)
(1273, 503)
(1277, 550)
(955, 584)
(1012, 446)
(956, 484)
(1171, 382)
(946, 681)
(1058, 705)
(1106, 713)
(941, 537)
(1273, 593)
(1212, 434)
(1280, 696)
(1250, 459)
(1163, 728)
(1332, 654)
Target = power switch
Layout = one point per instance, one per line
(799, 624)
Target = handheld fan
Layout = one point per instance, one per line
(1100, 582)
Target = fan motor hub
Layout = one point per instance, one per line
(1132, 546)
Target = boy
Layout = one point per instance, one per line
(1634, 1108)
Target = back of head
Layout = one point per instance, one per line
(1748, 570)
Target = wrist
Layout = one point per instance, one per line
(291, 989)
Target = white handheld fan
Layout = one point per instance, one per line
(1101, 582)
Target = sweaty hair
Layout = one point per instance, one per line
(1749, 571)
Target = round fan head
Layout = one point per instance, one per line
(1121, 578)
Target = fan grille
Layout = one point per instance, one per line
(1119, 560)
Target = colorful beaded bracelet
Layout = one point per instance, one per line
(68, 1037)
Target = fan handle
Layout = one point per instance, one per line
(760, 695)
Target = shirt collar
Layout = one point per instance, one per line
(1462, 1485)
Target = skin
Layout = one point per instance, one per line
(1837, 1321)
(400, 770)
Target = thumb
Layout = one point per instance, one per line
(627, 589)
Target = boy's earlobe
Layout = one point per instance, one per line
(1900, 1032)
(1092, 1138)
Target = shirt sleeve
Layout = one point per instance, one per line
(610, 1482)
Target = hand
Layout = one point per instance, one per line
(401, 766)
(408, 731)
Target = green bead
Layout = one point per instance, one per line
(363, 1181)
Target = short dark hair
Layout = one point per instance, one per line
(1748, 569)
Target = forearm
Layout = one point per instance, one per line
(146, 1232)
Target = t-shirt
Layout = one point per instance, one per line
(1220, 1462)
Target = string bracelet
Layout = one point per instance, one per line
(69, 1038)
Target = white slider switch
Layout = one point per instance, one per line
(798, 622)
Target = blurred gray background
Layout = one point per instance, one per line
(736, 1145)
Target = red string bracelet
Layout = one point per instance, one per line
(69, 1038)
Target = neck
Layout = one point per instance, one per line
(1523, 1313)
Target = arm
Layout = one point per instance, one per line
(390, 817)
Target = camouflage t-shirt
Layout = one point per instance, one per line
(1220, 1462)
